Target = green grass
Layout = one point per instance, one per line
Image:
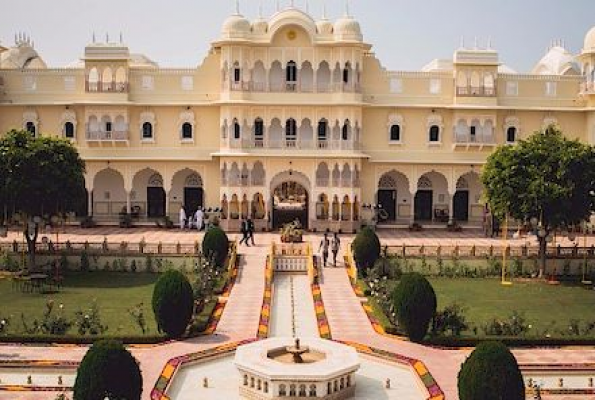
(115, 293)
(539, 303)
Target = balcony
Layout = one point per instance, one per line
(473, 142)
(586, 88)
(294, 87)
(106, 87)
(479, 91)
(291, 144)
(107, 136)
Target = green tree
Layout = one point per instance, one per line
(108, 370)
(491, 373)
(546, 178)
(415, 304)
(215, 245)
(41, 176)
(366, 249)
(173, 303)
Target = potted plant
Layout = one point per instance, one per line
(292, 233)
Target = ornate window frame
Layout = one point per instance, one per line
(395, 119)
(435, 119)
(31, 116)
(147, 116)
(187, 117)
(68, 116)
(512, 122)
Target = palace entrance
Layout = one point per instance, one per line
(290, 202)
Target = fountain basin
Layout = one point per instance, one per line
(267, 371)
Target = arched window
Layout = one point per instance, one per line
(30, 127)
(258, 129)
(237, 131)
(237, 73)
(395, 133)
(282, 390)
(312, 390)
(291, 72)
(291, 129)
(345, 131)
(187, 130)
(346, 71)
(147, 130)
(434, 133)
(322, 129)
(69, 130)
(511, 135)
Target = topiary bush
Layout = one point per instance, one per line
(366, 249)
(215, 245)
(491, 373)
(415, 304)
(108, 370)
(173, 302)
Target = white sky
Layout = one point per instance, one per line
(406, 34)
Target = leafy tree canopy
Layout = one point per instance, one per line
(41, 175)
(547, 176)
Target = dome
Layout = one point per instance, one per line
(260, 26)
(324, 27)
(347, 28)
(590, 41)
(557, 61)
(236, 26)
(23, 56)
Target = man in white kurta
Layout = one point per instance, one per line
(199, 218)
(182, 218)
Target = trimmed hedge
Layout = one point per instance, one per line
(215, 245)
(108, 369)
(491, 373)
(366, 249)
(415, 304)
(173, 303)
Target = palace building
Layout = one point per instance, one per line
(292, 117)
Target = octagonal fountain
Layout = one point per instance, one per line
(287, 368)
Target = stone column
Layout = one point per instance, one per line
(128, 202)
(451, 207)
(412, 216)
(90, 202)
(167, 203)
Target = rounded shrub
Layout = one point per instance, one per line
(366, 249)
(108, 370)
(173, 303)
(415, 304)
(215, 245)
(491, 373)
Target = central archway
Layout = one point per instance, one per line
(290, 199)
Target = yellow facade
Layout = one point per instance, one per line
(291, 116)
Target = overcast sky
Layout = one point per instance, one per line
(406, 34)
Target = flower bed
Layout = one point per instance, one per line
(265, 311)
(323, 326)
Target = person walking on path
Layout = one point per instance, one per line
(335, 246)
(244, 228)
(324, 245)
(199, 217)
(182, 218)
(251, 231)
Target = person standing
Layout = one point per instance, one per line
(182, 217)
(251, 230)
(335, 246)
(245, 232)
(324, 246)
(199, 217)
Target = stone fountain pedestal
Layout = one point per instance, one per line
(283, 368)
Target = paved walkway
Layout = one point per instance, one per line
(242, 312)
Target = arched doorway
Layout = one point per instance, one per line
(155, 197)
(187, 190)
(393, 196)
(290, 202)
(461, 201)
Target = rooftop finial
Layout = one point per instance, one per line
(237, 7)
(324, 10)
(93, 37)
(292, 4)
(106, 37)
(121, 38)
(489, 43)
(278, 6)
(260, 10)
(475, 43)
(347, 14)
(462, 44)
(307, 7)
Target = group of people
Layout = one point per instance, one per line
(247, 229)
(196, 220)
(333, 244)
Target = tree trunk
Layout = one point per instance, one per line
(31, 242)
(542, 256)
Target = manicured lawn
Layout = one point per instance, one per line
(115, 293)
(539, 303)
